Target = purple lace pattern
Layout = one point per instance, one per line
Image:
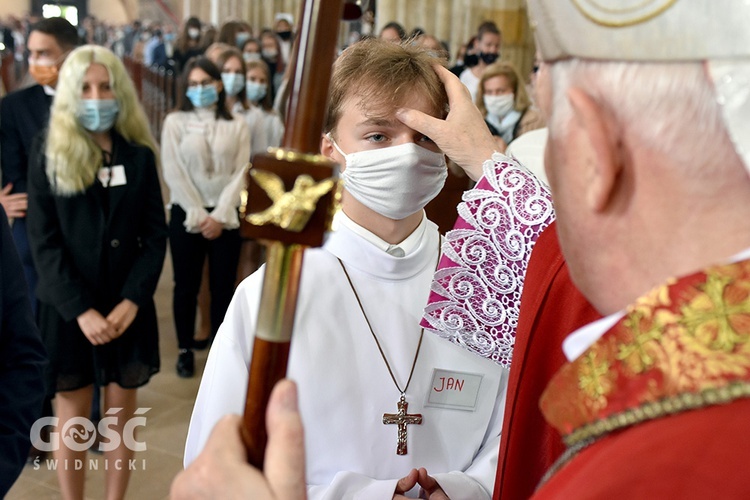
(476, 292)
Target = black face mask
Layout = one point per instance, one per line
(284, 35)
(488, 58)
(471, 60)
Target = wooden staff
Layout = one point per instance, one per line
(288, 206)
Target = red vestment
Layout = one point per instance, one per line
(551, 308)
(658, 407)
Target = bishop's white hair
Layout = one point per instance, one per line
(668, 107)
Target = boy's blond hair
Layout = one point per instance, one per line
(383, 75)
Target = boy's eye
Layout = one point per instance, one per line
(376, 138)
(426, 139)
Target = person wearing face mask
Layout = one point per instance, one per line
(360, 301)
(23, 114)
(204, 152)
(266, 130)
(272, 54)
(251, 50)
(188, 44)
(502, 100)
(486, 51)
(234, 33)
(266, 127)
(232, 67)
(284, 31)
(98, 237)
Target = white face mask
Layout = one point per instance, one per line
(395, 182)
(499, 105)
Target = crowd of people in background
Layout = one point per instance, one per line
(230, 103)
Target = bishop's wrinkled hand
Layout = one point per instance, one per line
(463, 135)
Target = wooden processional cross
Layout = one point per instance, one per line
(402, 419)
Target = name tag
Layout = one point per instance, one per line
(454, 390)
(111, 177)
(118, 176)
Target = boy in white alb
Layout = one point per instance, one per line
(358, 353)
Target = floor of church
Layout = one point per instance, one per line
(170, 400)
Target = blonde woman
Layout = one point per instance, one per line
(98, 237)
(502, 99)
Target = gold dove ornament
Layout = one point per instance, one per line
(310, 74)
(291, 210)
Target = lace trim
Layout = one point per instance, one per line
(476, 292)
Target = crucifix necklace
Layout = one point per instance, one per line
(403, 417)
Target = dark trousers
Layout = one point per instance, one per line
(21, 239)
(189, 252)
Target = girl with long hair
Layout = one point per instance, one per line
(504, 103)
(266, 126)
(188, 43)
(98, 237)
(205, 150)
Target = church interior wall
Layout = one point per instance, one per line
(15, 9)
(453, 21)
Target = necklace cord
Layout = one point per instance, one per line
(377, 342)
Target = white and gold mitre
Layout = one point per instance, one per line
(714, 31)
(641, 30)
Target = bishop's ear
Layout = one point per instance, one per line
(595, 127)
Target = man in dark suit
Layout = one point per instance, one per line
(22, 115)
(22, 360)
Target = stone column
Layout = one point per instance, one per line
(387, 12)
(443, 23)
(214, 13)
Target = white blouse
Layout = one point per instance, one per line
(266, 128)
(204, 162)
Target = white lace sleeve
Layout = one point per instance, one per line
(476, 292)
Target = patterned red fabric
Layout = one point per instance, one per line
(701, 454)
(664, 395)
(688, 336)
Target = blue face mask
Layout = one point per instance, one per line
(255, 91)
(241, 38)
(233, 83)
(97, 115)
(202, 96)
